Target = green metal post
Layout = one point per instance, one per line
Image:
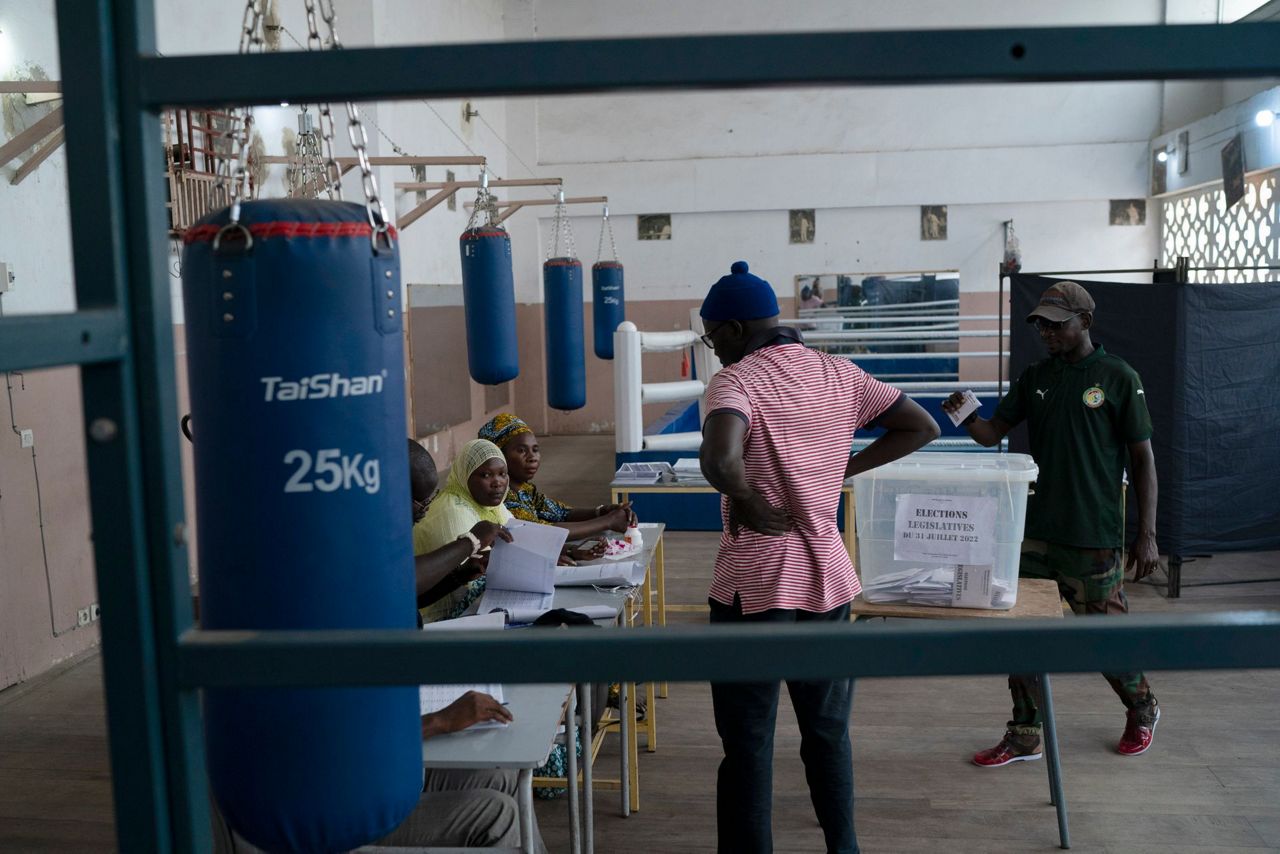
(118, 239)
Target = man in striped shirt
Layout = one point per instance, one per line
(776, 440)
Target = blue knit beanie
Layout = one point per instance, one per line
(739, 296)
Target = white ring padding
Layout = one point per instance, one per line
(673, 442)
(671, 392)
(665, 342)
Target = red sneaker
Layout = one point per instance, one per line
(1137, 738)
(1012, 748)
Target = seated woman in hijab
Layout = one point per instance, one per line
(473, 493)
(523, 456)
(439, 572)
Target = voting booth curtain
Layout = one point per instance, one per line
(1209, 359)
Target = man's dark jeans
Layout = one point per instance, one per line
(746, 713)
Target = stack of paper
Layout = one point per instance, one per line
(614, 574)
(936, 585)
(688, 468)
(642, 473)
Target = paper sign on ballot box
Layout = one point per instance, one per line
(955, 529)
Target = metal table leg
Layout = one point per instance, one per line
(588, 756)
(1055, 766)
(526, 810)
(1174, 590)
(571, 777)
(624, 704)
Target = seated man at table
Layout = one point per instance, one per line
(458, 808)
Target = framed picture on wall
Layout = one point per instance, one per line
(1128, 212)
(933, 222)
(802, 225)
(653, 227)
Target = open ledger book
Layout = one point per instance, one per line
(521, 578)
(433, 698)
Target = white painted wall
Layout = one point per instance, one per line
(1209, 134)
(38, 606)
(728, 165)
(429, 247)
(35, 232)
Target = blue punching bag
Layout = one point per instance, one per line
(608, 304)
(489, 302)
(295, 364)
(562, 305)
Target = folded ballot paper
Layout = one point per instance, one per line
(937, 585)
(433, 698)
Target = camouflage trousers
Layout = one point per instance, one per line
(1092, 582)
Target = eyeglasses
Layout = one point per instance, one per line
(420, 507)
(708, 338)
(1053, 325)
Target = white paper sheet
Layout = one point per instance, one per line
(944, 528)
(433, 698)
(527, 563)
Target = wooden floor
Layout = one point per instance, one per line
(1211, 783)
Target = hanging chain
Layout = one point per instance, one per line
(606, 225)
(486, 204)
(332, 172)
(560, 226)
(374, 209)
(307, 171)
(250, 39)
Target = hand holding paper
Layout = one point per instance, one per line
(960, 406)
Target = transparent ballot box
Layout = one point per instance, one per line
(943, 529)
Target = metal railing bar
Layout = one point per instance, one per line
(890, 57)
(30, 341)
(733, 653)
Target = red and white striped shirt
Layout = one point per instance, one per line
(801, 409)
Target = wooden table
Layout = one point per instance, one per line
(1037, 598)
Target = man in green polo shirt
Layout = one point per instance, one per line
(1086, 413)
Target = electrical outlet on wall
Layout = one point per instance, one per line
(94, 612)
(28, 438)
(82, 617)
